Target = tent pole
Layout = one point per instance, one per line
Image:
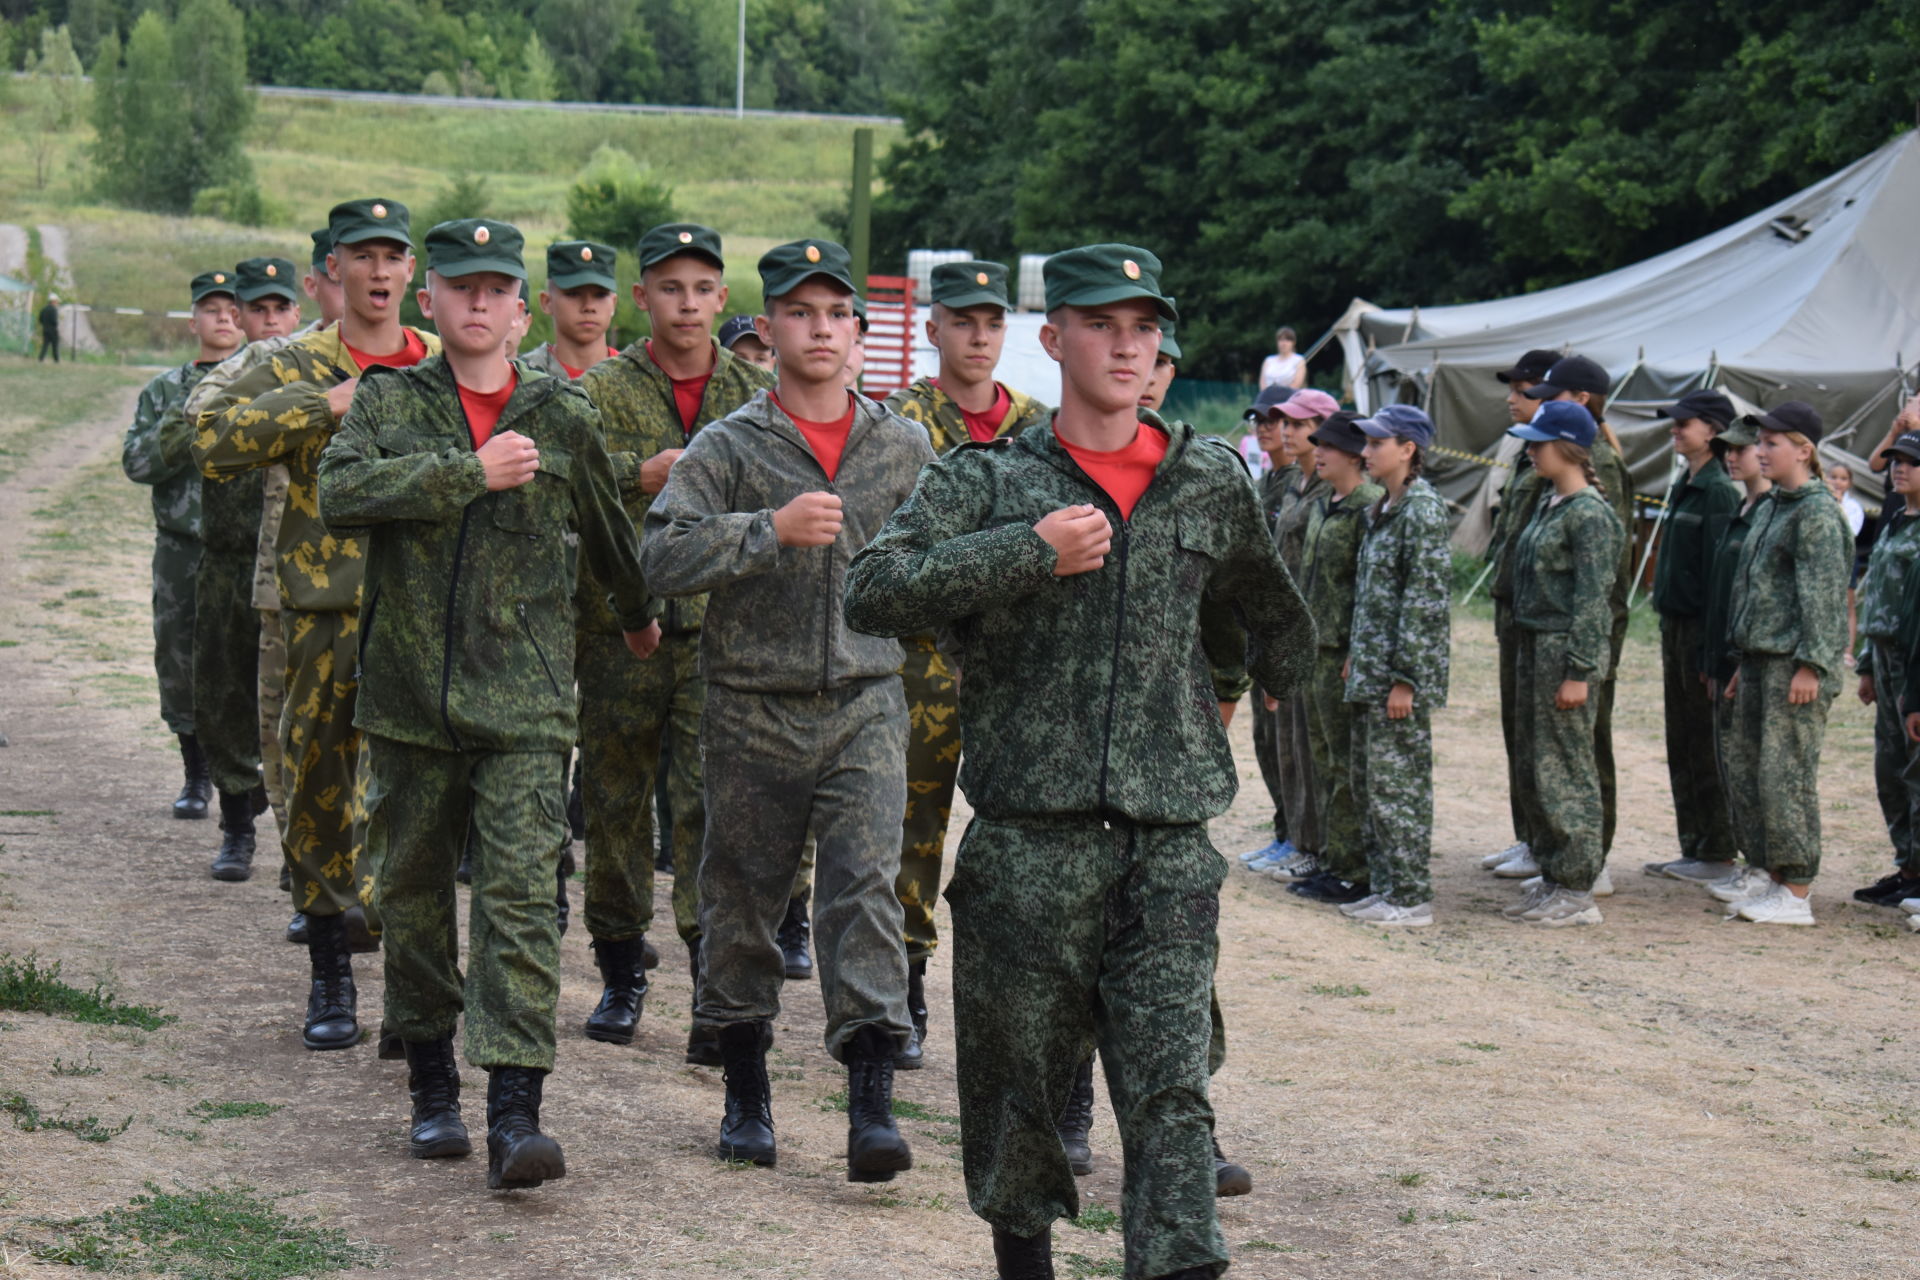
(1477, 584)
(1659, 519)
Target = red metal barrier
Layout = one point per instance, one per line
(889, 335)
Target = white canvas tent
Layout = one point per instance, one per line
(1816, 298)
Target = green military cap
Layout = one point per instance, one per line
(572, 263)
(1168, 346)
(322, 246)
(860, 312)
(1096, 274)
(672, 239)
(355, 221)
(467, 246)
(1739, 434)
(785, 267)
(970, 284)
(265, 277)
(213, 282)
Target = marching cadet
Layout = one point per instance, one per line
(285, 411)
(1070, 563)
(478, 482)
(1889, 622)
(580, 297)
(805, 728)
(215, 325)
(1563, 569)
(967, 327)
(738, 336)
(653, 398)
(1397, 669)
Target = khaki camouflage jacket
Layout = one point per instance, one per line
(1563, 571)
(1087, 695)
(925, 403)
(774, 621)
(277, 412)
(1329, 554)
(175, 483)
(1790, 586)
(640, 419)
(1403, 601)
(1298, 498)
(466, 638)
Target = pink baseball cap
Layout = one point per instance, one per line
(1308, 403)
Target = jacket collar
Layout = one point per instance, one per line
(1041, 441)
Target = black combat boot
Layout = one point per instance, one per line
(562, 909)
(793, 935)
(624, 972)
(703, 1043)
(331, 1006)
(1076, 1120)
(433, 1079)
(1229, 1179)
(875, 1149)
(518, 1154)
(746, 1133)
(1023, 1257)
(235, 859)
(286, 877)
(911, 1058)
(577, 806)
(197, 791)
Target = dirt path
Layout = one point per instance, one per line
(1667, 1096)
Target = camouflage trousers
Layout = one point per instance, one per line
(832, 763)
(273, 703)
(420, 804)
(630, 711)
(1265, 727)
(1299, 789)
(176, 563)
(1393, 787)
(1772, 754)
(1894, 756)
(320, 754)
(226, 669)
(1330, 732)
(1699, 801)
(1069, 935)
(1601, 696)
(1558, 782)
(1507, 638)
(933, 764)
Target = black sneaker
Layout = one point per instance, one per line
(1889, 890)
(1325, 886)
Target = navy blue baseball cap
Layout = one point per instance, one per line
(1559, 420)
(1269, 399)
(736, 328)
(1399, 421)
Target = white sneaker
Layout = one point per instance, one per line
(1602, 885)
(1299, 867)
(1507, 854)
(1911, 906)
(1265, 850)
(1354, 908)
(1564, 908)
(1743, 884)
(1537, 891)
(1778, 906)
(1387, 916)
(1519, 866)
(1691, 870)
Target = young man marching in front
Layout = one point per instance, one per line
(1070, 566)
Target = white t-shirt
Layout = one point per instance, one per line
(1855, 513)
(1279, 369)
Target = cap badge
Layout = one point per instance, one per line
(481, 235)
(813, 253)
(219, 277)
(379, 211)
(686, 237)
(1131, 268)
(586, 255)
(272, 270)
(980, 277)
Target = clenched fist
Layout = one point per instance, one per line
(510, 460)
(810, 520)
(653, 472)
(1080, 537)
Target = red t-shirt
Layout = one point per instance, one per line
(828, 439)
(986, 426)
(485, 407)
(1123, 473)
(687, 392)
(411, 354)
(574, 373)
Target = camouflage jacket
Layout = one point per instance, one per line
(1330, 551)
(1790, 587)
(1298, 498)
(1517, 498)
(466, 637)
(1403, 601)
(640, 419)
(925, 403)
(1087, 695)
(1889, 596)
(1716, 657)
(175, 483)
(774, 622)
(1272, 487)
(273, 508)
(1616, 486)
(1522, 494)
(1698, 508)
(1563, 571)
(543, 359)
(277, 412)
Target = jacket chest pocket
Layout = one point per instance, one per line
(1197, 551)
(543, 505)
(1553, 552)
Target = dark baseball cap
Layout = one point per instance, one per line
(210, 282)
(574, 263)
(736, 328)
(1096, 274)
(1341, 431)
(1399, 421)
(1794, 415)
(1559, 420)
(786, 267)
(1907, 446)
(264, 278)
(1531, 367)
(671, 239)
(1707, 405)
(969, 284)
(322, 246)
(468, 246)
(1572, 373)
(1269, 399)
(356, 221)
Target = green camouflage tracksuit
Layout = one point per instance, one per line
(1889, 625)
(176, 543)
(1329, 557)
(1292, 739)
(1789, 610)
(1402, 632)
(1517, 499)
(805, 726)
(1265, 725)
(631, 712)
(1085, 894)
(277, 412)
(1718, 661)
(926, 680)
(1563, 569)
(466, 686)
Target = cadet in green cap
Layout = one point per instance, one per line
(285, 411)
(805, 728)
(215, 325)
(476, 482)
(1070, 565)
(654, 398)
(967, 327)
(580, 298)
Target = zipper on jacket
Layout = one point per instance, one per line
(826, 621)
(1113, 678)
(446, 654)
(526, 624)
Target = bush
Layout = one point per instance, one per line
(464, 197)
(239, 202)
(615, 199)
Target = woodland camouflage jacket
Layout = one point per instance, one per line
(175, 483)
(925, 403)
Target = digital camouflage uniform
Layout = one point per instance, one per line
(805, 726)
(277, 412)
(630, 712)
(1718, 661)
(1563, 569)
(466, 687)
(1789, 610)
(1889, 626)
(1402, 633)
(1272, 486)
(1329, 557)
(1293, 741)
(926, 680)
(176, 544)
(1616, 485)
(1517, 499)
(1085, 894)
(543, 358)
